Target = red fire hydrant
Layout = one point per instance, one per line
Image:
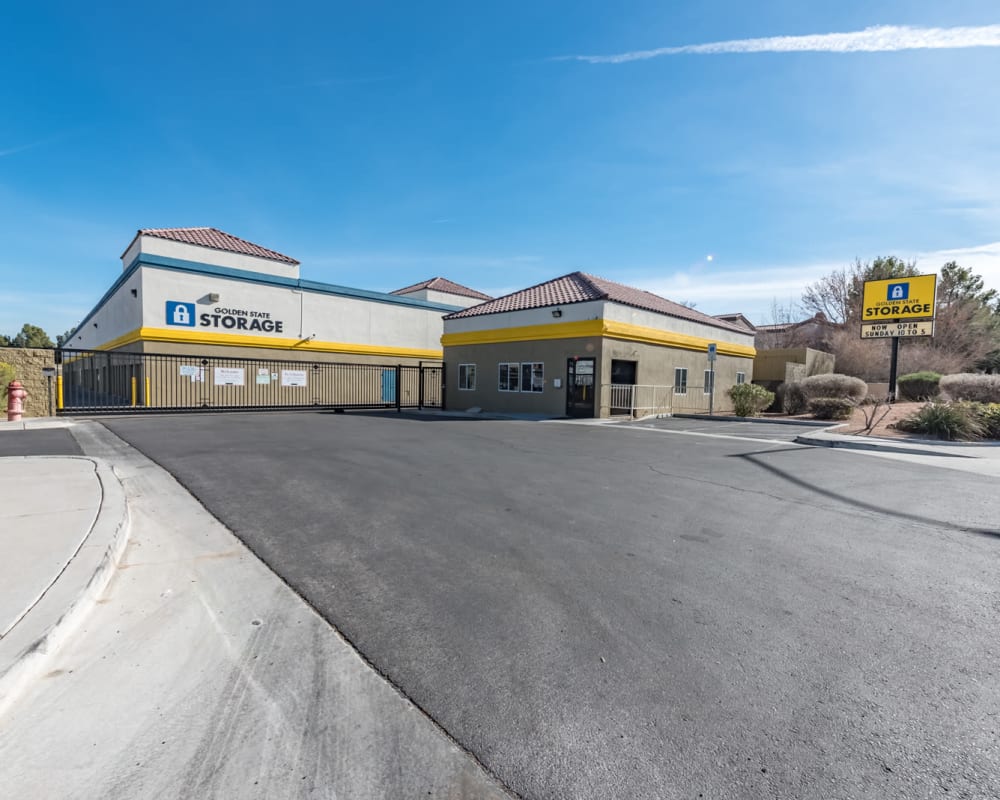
(15, 401)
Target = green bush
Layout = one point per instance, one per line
(831, 407)
(954, 422)
(834, 385)
(7, 374)
(749, 399)
(989, 416)
(970, 386)
(918, 385)
(793, 401)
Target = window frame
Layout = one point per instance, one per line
(505, 369)
(709, 381)
(680, 380)
(741, 377)
(474, 371)
(530, 387)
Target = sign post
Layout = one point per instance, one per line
(49, 373)
(898, 307)
(712, 347)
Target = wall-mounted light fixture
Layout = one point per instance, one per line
(556, 312)
(135, 293)
(213, 297)
(95, 324)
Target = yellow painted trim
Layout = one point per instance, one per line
(273, 343)
(526, 333)
(597, 328)
(683, 341)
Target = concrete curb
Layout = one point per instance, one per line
(878, 446)
(64, 605)
(36, 424)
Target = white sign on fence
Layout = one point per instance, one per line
(230, 376)
(194, 372)
(293, 377)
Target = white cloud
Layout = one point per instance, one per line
(983, 260)
(880, 39)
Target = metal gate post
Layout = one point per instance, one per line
(420, 391)
(399, 388)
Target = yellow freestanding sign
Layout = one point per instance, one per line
(899, 298)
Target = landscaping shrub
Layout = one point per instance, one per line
(793, 401)
(970, 386)
(749, 399)
(989, 416)
(6, 376)
(835, 385)
(918, 385)
(831, 407)
(954, 422)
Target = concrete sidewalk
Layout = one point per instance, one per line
(982, 458)
(197, 672)
(63, 527)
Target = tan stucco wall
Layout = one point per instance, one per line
(554, 354)
(655, 367)
(28, 363)
(267, 353)
(769, 365)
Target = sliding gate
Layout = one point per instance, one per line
(92, 381)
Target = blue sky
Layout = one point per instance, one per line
(385, 143)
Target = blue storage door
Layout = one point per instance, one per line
(388, 386)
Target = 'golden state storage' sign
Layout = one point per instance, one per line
(899, 298)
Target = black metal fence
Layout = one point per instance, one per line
(94, 381)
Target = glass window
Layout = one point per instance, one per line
(741, 377)
(532, 376)
(466, 377)
(509, 377)
(709, 380)
(680, 380)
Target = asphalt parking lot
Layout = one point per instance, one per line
(608, 611)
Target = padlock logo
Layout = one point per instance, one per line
(180, 313)
(899, 291)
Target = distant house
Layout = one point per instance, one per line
(812, 332)
(737, 319)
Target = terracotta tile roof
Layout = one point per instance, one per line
(579, 287)
(216, 240)
(443, 285)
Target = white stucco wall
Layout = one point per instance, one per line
(303, 314)
(121, 314)
(574, 312)
(206, 255)
(650, 319)
(448, 299)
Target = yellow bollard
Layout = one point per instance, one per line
(145, 399)
(59, 393)
(134, 388)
